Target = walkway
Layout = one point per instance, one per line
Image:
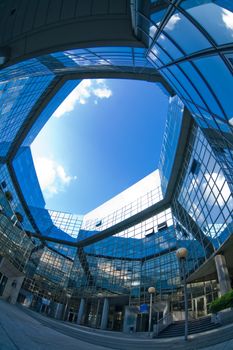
(23, 329)
(19, 331)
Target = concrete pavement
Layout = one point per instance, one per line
(23, 329)
(19, 331)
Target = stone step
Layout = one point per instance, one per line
(194, 326)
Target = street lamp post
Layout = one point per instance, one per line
(151, 291)
(181, 254)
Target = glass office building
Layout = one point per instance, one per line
(96, 269)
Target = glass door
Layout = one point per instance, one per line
(199, 307)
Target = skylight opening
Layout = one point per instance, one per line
(103, 138)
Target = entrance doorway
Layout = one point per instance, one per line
(199, 307)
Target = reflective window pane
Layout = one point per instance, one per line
(158, 52)
(202, 87)
(216, 17)
(192, 41)
(220, 79)
(170, 48)
(158, 16)
(187, 86)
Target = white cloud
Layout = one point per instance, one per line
(216, 183)
(52, 176)
(155, 51)
(172, 22)
(100, 81)
(82, 93)
(153, 30)
(227, 18)
(195, 212)
(102, 92)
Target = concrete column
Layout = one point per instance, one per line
(104, 319)
(97, 313)
(12, 289)
(58, 311)
(130, 320)
(81, 311)
(223, 274)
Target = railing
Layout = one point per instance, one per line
(163, 323)
(128, 210)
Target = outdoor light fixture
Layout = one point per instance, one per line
(181, 253)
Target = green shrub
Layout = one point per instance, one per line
(222, 303)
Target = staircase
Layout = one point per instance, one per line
(176, 329)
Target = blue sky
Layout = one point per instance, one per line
(106, 136)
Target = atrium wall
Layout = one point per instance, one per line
(67, 261)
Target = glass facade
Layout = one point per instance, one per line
(170, 140)
(26, 175)
(124, 261)
(120, 252)
(18, 98)
(203, 203)
(99, 224)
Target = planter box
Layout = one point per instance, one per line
(223, 317)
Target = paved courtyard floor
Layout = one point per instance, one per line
(19, 331)
(26, 330)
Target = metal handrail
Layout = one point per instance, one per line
(163, 323)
